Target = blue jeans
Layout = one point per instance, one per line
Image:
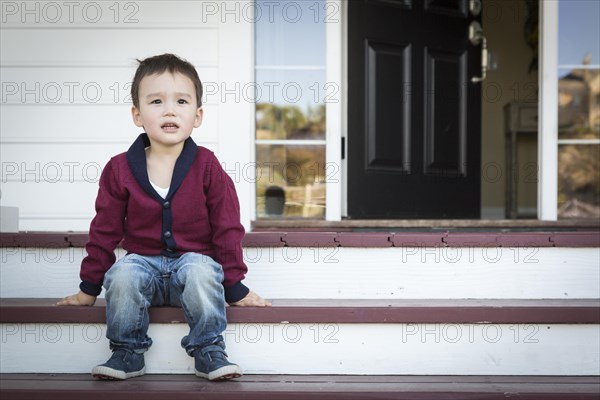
(192, 281)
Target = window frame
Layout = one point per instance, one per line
(548, 141)
(334, 113)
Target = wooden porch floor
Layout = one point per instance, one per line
(299, 387)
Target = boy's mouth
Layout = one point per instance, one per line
(169, 126)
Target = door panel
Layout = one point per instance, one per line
(445, 109)
(456, 8)
(413, 113)
(388, 139)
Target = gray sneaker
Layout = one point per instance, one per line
(211, 363)
(123, 364)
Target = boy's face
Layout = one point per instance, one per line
(167, 108)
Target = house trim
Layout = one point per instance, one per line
(335, 115)
(338, 238)
(548, 112)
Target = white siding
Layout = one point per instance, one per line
(66, 68)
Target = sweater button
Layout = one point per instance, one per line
(167, 234)
(167, 204)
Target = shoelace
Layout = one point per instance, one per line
(210, 349)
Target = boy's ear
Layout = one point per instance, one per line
(137, 118)
(199, 116)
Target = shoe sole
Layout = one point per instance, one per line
(106, 373)
(223, 373)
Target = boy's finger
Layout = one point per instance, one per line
(67, 301)
(260, 302)
(252, 300)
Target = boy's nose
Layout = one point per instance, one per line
(169, 110)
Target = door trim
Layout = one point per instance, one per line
(547, 110)
(337, 113)
(335, 108)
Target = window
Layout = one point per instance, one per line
(578, 109)
(290, 139)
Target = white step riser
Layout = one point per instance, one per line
(432, 349)
(389, 273)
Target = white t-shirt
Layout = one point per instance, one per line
(161, 191)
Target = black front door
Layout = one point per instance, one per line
(413, 113)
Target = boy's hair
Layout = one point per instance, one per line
(158, 65)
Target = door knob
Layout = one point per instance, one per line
(476, 37)
(475, 7)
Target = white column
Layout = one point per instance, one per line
(548, 112)
(236, 108)
(333, 109)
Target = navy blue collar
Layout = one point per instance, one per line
(136, 158)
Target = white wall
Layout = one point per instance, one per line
(66, 68)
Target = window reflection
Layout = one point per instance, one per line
(289, 122)
(290, 109)
(290, 181)
(579, 103)
(579, 109)
(579, 181)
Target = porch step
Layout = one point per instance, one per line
(283, 387)
(420, 305)
(356, 272)
(557, 311)
(370, 337)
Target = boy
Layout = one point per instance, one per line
(177, 214)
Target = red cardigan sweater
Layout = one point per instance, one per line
(200, 214)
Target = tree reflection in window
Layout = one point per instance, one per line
(579, 109)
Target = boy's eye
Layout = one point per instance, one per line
(156, 101)
(182, 101)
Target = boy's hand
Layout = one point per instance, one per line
(252, 300)
(79, 299)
